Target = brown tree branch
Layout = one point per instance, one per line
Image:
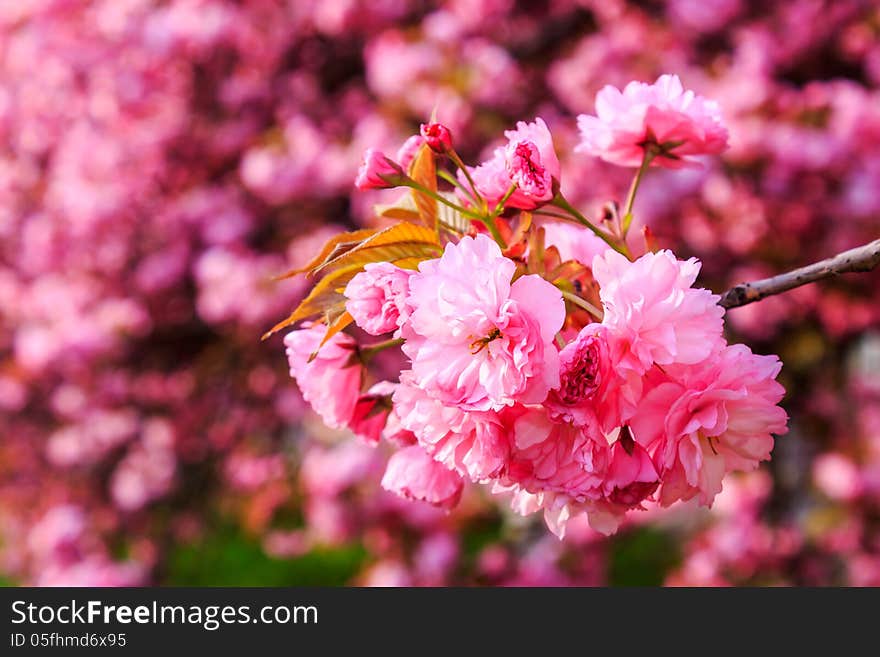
(860, 259)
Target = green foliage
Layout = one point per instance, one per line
(228, 557)
(642, 557)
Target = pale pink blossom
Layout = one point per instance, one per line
(331, 382)
(572, 241)
(838, 477)
(413, 474)
(475, 340)
(702, 421)
(377, 297)
(377, 171)
(676, 125)
(655, 313)
(147, 471)
(528, 161)
(473, 443)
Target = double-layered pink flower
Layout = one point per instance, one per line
(675, 125)
(654, 312)
(331, 382)
(377, 297)
(477, 340)
(413, 474)
(528, 162)
(566, 470)
(593, 391)
(473, 443)
(703, 421)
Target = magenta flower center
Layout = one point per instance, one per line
(581, 378)
(527, 171)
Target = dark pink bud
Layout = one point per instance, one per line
(437, 136)
(378, 171)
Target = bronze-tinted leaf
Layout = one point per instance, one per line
(333, 248)
(397, 242)
(567, 270)
(326, 294)
(535, 259)
(336, 326)
(403, 209)
(424, 171)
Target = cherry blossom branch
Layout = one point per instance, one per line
(860, 259)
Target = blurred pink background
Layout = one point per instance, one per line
(160, 160)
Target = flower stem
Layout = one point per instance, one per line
(448, 177)
(467, 174)
(499, 208)
(488, 222)
(367, 352)
(560, 202)
(582, 303)
(409, 182)
(633, 188)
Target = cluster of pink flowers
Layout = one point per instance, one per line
(506, 383)
(162, 160)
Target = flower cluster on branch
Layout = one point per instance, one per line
(587, 385)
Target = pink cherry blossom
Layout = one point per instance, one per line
(377, 171)
(655, 312)
(528, 161)
(527, 172)
(474, 443)
(475, 340)
(331, 382)
(437, 136)
(573, 242)
(377, 297)
(566, 470)
(676, 125)
(593, 391)
(700, 422)
(413, 474)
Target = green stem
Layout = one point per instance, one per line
(409, 182)
(633, 188)
(467, 174)
(563, 217)
(582, 303)
(499, 208)
(489, 223)
(370, 350)
(448, 177)
(561, 202)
